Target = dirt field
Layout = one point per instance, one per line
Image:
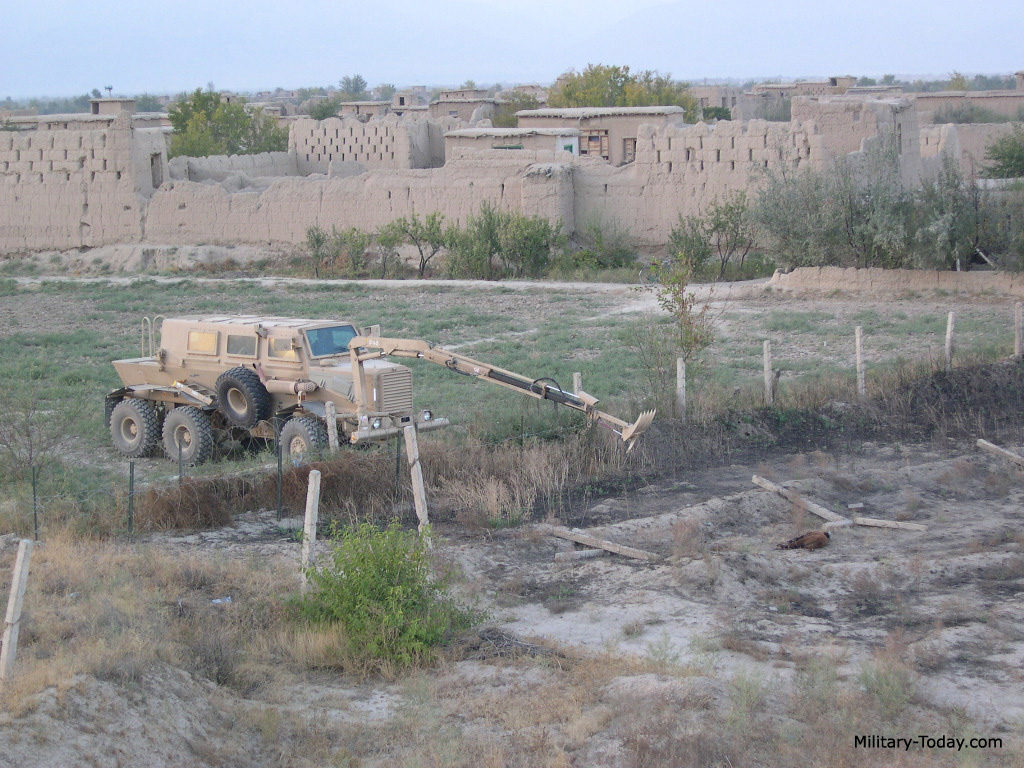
(726, 651)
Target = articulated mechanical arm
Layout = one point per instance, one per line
(371, 347)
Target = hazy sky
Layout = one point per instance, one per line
(58, 48)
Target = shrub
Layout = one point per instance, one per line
(378, 587)
(1006, 155)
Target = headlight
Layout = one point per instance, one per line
(377, 423)
(427, 415)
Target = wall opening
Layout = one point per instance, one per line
(156, 170)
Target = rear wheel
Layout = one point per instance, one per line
(188, 428)
(134, 428)
(243, 399)
(303, 439)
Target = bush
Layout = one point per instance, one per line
(1006, 155)
(378, 587)
(497, 244)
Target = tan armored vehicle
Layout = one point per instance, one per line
(221, 378)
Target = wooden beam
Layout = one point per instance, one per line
(985, 445)
(796, 498)
(419, 491)
(876, 523)
(591, 541)
(12, 623)
(310, 523)
(579, 554)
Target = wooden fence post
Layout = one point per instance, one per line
(332, 425)
(14, 603)
(681, 387)
(577, 382)
(419, 492)
(862, 388)
(309, 530)
(769, 376)
(950, 328)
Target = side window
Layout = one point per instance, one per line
(281, 349)
(202, 342)
(243, 346)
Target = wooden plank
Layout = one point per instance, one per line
(579, 554)
(769, 376)
(12, 623)
(592, 541)
(419, 491)
(876, 523)
(985, 445)
(309, 529)
(331, 411)
(796, 498)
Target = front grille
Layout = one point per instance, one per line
(395, 391)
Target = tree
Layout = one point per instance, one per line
(717, 113)
(601, 85)
(205, 125)
(325, 109)
(958, 82)
(353, 88)
(505, 116)
(429, 235)
(469, 85)
(386, 91)
(1006, 155)
(147, 102)
(387, 241)
(319, 246)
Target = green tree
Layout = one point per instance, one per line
(429, 235)
(505, 115)
(319, 246)
(353, 88)
(206, 125)
(387, 241)
(325, 109)
(386, 91)
(717, 113)
(958, 82)
(1006, 155)
(147, 102)
(601, 85)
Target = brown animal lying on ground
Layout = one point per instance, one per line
(810, 540)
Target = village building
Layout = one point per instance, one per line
(609, 133)
(532, 139)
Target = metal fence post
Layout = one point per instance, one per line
(131, 497)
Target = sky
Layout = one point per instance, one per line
(61, 48)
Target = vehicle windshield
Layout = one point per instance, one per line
(324, 342)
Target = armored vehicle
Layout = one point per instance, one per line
(219, 378)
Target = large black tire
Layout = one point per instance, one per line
(242, 398)
(190, 427)
(303, 439)
(135, 428)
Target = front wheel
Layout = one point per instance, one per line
(188, 429)
(303, 439)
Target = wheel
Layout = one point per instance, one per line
(190, 428)
(134, 428)
(243, 399)
(303, 439)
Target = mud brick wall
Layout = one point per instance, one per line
(74, 188)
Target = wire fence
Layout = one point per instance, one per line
(123, 504)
